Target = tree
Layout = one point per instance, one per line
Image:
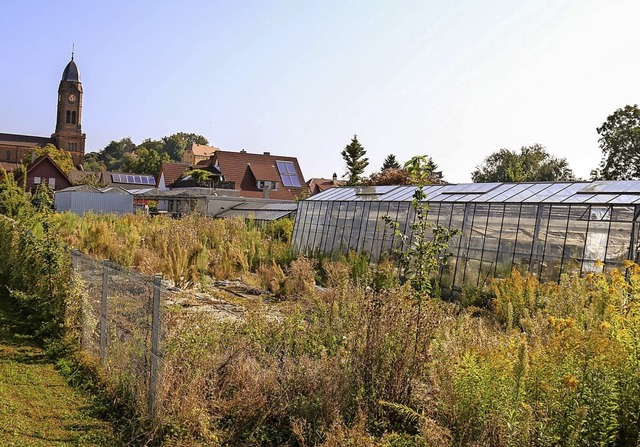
(148, 161)
(390, 163)
(201, 176)
(14, 201)
(354, 156)
(400, 176)
(620, 144)
(175, 144)
(388, 176)
(116, 156)
(62, 158)
(126, 156)
(531, 164)
(92, 163)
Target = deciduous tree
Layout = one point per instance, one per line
(62, 158)
(531, 164)
(620, 144)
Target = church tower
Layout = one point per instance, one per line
(68, 135)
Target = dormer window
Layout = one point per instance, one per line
(271, 185)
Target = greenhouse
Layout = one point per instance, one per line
(547, 229)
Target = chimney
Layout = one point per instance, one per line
(265, 190)
(335, 176)
(242, 151)
(267, 153)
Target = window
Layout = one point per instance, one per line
(272, 185)
(36, 180)
(52, 182)
(288, 173)
(73, 117)
(68, 116)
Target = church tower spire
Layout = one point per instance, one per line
(68, 135)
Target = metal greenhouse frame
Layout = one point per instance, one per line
(547, 229)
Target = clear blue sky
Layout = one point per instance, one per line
(456, 80)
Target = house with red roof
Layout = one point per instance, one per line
(44, 170)
(263, 175)
(317, 185)
(170, 172)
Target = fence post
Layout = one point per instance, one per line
(155, 345)
(103, 312)
(74, 261)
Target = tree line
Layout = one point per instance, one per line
(144, 158)
(619, 140)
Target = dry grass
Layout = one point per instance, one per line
(364, 363)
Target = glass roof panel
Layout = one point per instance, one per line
(519, 192)
(447, 198)
(612, 187)
(512, 190)
(490, 196)
(403, 194)
(343, 194)
(613, 198)
(577, 198)
(374, 190)
(471, 187)
(624, 199)
(466, 197)
(543, 193)
(561, 191)
(564, 192)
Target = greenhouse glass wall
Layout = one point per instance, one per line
(547, 229)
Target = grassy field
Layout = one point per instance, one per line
(37, 406)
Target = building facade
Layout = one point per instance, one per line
(68, 134)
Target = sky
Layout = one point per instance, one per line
(455, 80)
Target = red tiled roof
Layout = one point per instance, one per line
(172, 172)
(265, 172)
(317, 185)
(46, 160)
(243, 168)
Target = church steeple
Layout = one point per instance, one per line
(68, 135)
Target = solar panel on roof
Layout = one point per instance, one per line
(288, 173)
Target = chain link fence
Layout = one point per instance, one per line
(122, 315)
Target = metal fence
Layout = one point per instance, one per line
(122, 311)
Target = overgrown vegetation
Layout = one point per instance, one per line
(358, 361)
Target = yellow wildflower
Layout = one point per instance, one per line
(571, 382)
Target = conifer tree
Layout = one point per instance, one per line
(354, 156)
(390, 163)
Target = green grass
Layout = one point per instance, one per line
(37, 406)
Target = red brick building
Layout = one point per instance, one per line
(68, 134)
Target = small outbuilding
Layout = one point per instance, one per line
(85, 198)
